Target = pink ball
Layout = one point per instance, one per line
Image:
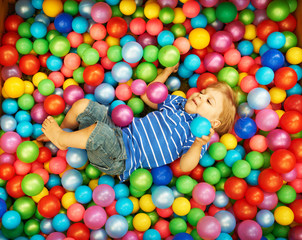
(103, 195)
(130, 235)
(249, 230)
(203, 193)
(221, 41)
(39, 98)
(168, 3)
(278, 139)
(95, 217)
(214, 138)
(260, 15)
(89, 89)
(73, 93)
(101, 12)
(258, 143)
(240, 4)
(267, 119)
(236, 29)
(208, 3)
(138, 87)
(269, 202)
(123, 92)
(213, 62)
(122, 115)
(72, 61)
(76, 212)
(38, 114)
(290, 176)
(260, 4)
(157, 92)
(11, 71)
(208, 227)
(146, 39)
(56, 236)
(232, 57)
(10, 141)
(7, 158)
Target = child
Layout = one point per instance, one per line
(152, 141)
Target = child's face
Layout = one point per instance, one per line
(208, 103)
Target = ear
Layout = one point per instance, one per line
(216, 123)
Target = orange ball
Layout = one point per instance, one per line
(258, 143)
(123, 92)
(182, 44)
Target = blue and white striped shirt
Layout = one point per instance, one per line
(160, 137)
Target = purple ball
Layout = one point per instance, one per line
(213, 62)
(269, 202)
(38, 114)
(9, 142)
(89, 89)
(278, 139)
(103, 195)
(39, 98)
(130, 235)
(260, 4)
(249, 230)
(138, 87)
(11, 71)
(208, 3)
(146, 39)
(295, 233)
(240, 4)
(122, 115)
(101, 12)
(72, 94)
(290, 176)
(167, 3)
(260, 15)
(157, 92)
(208, 227)
(221, 41)
(56, 236)
(7, 158)
(217, 25)
(236, 29)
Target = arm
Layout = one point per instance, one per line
(191, 158)
(162, 77)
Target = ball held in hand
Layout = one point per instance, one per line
(200, 126)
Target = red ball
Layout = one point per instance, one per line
(191, 9)
(13, 187)
(296, 148)
(187, 25)
(8, 55)
(162, 226)
(235, 188)
(44, 155)
(75, 39)
(93, 75)
(7, 171)
(57, 191)
(78, 231)
(110, 210)
(29, 64)
(54, 104)
(10, 38)
(175, 167)
(164, 213)
(201, 53)
(154, 26)
(285, 78)
(194, 204)
(12, 23)
(205, 79)
(101, 47)
(270, 181)
(213, 210)
(49, 206)
(253, 69)
(283, 161)
(137, 26)
(254, 196)
(117, 27)
(123, 92)
(245, 63)
(243, 210)
(296, 207)
(291, 122)
(265, 28)
(293, 102)
(98, 31)
(106, 63)
(43, 58)
(288, 24)
(297, 185)
(248, 83)
(197, 173)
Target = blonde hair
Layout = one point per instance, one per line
(227, 116)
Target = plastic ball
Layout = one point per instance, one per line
(257, 94)
(11, 219)
(141, 222)
(278, 10)
(132, 52)
(27, 151)
(71, 179)
(237, 30)
(124, 206)
(122, 115)
(245, 128)
(141, 179)
(76, 158)
(221, 41)
(197, 34)
(199, 191)
(103, 195)
(213, 62)
(208, 227)
(283, 161)
(226, 12)
(95, 217)
(265, 218)
(162, 197)
(10, 141)
(200, 126)
(157, 92)
(265, 75)
(249, 229)
(168, 56)
(162, 175)
(226, 220)
(273, 59)
(104, 93)
(278, 139)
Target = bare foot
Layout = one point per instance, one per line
(42, 138)
(52, 131)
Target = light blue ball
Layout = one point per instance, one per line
(116, 226)
(265, 218)
(200, 21)
(90, 96)
(252, 178)
(206, 160)
(151, 234)
(121, 72)
(244, 110)
(132, 52)
(104, 93)
(227, 221)
(99, 234)
(112, 2)
(221, 199)
(173, 83)
(176, 194)
(251, 7)
(3, 194)
(162, 197)
(126, 39)
(8, 123)
(37, 4)
(265, 75)
(241, 150)
(46, 226)
(124, 206)
(165, 38)
(41, 17)
(245, 48)
(193, 80)
(109, 79)
(24, 129)
(80, 24)
(10, 106)
(83, 194)
(22, 115)
(298, 70)
(54, 63)
(200, 126)
(297, 89)
(37, 237)
(85, 8)
(231, 157)
(276, 40)
(192, 62)
(38, 30)
(183, 72)
(258, 98)
(61, 222)
(72, 179)
(121, 191)
(11, 219)
(54, 180)
(76, 157)
(263, 49)
(37, 130)
(114, 104)
(224, 236)
(24, 8)
(107, 179)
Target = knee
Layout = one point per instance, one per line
(80, 105)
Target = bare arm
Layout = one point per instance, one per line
(162, 77)
(191, 158)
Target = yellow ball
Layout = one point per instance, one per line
(257, 43)
(241, 76)
(152, 10)
(93, 184)
(179, 93)
(179, 16)
(181, 206)
(38, 77)
(112, 41)
(127, 7)
(199, 38)
(87, 38)
(284, 215)
(229, 141)
(68, 167)
(280, 113)
(294, 55)
(250, 32)
(4, 94)
(14, 87)
(46, 167)
(146, 203)
(69, 82)
(52, 7)
(141, 222)
(68, 199)
(39, 144)
(278, 95)
(135, 202)
(42, 194)
(29, 87)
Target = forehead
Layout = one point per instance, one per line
(215, 93)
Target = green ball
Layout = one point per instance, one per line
(217, 151)
(25, 206)
(177, 225)
(8, 233)
(91, 56)
(32, 184)
(166, 15)
(129, 219)
(139, 13)
(78, 75)
(286, 194)
(195, 234)
(26, 101)
(150, 53)
(266, 158)
(38, 215)
(255, 159)
(141, 179)
(178, 30)
(220, 185)
(280, 230)
(59, 118)
(210, 14)
(226, 12)
(168, 56)
(2, 182)
(32, 227)
(269, 236)
(228, 75)
(92, 203)
(173, 182)
(293, 4)
(241, 96)
(71, 7)
(135, 192)
(24, 30)
(278, 10)
(153, 216)
(185, 184)
(52, 34)
(241, 169)
(146, 71)
(59, 46)
(46, 87)
(92, 172)
(41, 46)
(24, 46)
(116, 12)
(211, 175)
(82, 48)
(136, 104)
(246, 16)
(27, 151)
(194, 216)
(296, 135)
(114, 53)
(267, 230)
(290, 41)
(86, 179)
(224, 169)
(30, 20)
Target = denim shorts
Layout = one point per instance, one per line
(105, 146)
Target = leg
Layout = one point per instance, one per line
(62, 139)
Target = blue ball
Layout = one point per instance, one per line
(38, 30)
(121, 72)
(46, 226)
(162, 175)
(83, 194)
(221, 199)
(76, 157)
(11, 219)
(263, 49)
(22, 115)
(71, 179)
(227, 221)
(114, 104)
(193, 80)
(231, 157)
(121, 191)
(80, 24)
(165, 38)
(162, 197)
(99, 234)
(273, 59)
(107, 179)
(200, 21)
(85, 8)
(8, 123)
(132, 52)
(298, 70)
(297, 89)
(37, 237)
(252, 178)
(112, 2)
(245, 48)
(24, 8)
(124, 206)
(3, 207)
(245, 128)
(276, 40)
(192, 62)
(244, 110)
(152, 234)
(241, 150)
(104, 93)
(54, 180)
(37, 4)
(41, 17)
(10, 106)
(24, 129)
(206, 160)
(183, 72)
(265, 75)
(258, 98)
(109, 79)
(265, 218)
(3, 194)
(116, 226)
(224, 236)
(90, 96)
(63, 23)
(54, 63)
(251, 7)
(61, 222)
(37, 130)
(200, 126)
(126, 39)
(173, 83)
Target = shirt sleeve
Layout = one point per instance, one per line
(189, 143)
(172, 102)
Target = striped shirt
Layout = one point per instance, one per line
(160, 137)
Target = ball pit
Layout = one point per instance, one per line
(247, 185)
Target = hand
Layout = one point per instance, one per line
(173, 69)
(205, 139)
